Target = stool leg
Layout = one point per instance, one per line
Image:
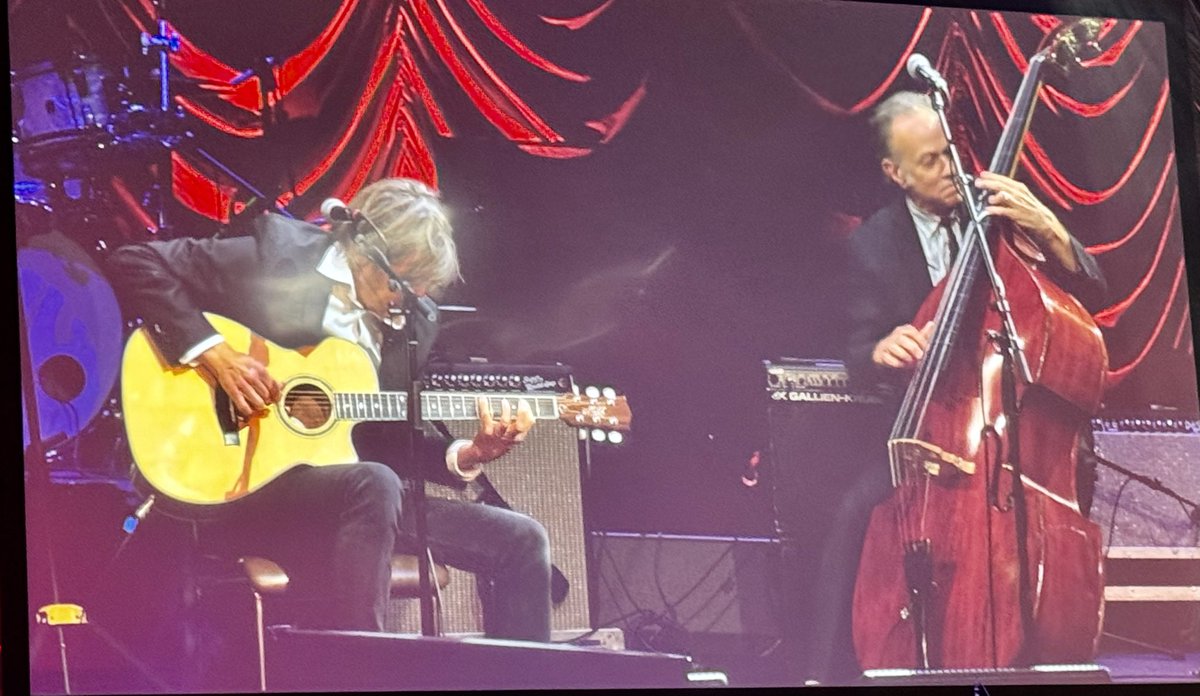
(258, 630)
(437, 596)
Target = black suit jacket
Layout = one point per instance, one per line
(889, 279)
(269, 282)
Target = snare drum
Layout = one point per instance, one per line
(75, 333)
(56, 105)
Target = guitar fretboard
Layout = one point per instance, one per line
(393, 406)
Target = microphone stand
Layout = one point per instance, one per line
(1015, 364)
(415, 429)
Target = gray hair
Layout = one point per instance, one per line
(888, 110)
(415, 227)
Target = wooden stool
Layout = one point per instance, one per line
(267, 578)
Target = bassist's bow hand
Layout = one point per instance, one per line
(243, 378)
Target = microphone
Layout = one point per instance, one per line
(334, 210)
(919, 68)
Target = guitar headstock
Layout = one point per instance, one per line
(1072, 43)
(595, 409)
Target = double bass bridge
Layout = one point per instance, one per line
(911, 456)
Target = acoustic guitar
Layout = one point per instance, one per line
(190, 444)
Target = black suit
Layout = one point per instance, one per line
(335, 526)
(888, 282)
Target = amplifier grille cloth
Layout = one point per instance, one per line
(1129, 513)
(540, 478)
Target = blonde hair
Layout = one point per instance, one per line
(415, 227)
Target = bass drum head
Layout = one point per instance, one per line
(75, 334)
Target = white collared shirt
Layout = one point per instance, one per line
(345, 317)
(929, 232)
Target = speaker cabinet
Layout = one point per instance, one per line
(541, 478)
(1131, 513)
(1152, 540)
(823, 436)
(821, 440)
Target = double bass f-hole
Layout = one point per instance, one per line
(1000, 494)
(1001, 472)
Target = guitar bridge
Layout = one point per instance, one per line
(227, 419)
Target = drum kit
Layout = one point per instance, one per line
(89, 162)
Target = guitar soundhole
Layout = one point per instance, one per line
(307, 406)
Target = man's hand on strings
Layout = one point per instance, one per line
(903, 347)
(243, 378)
(1013, 200)
(496, 437)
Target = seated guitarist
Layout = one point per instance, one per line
(336, 527)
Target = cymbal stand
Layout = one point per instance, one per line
(165, 42)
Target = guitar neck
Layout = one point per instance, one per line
(446, 406)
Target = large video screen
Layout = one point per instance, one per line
(739, 219)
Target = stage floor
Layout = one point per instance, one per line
(1141, 667)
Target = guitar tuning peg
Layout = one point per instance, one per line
(591, 392)
(615, 437)
(609, 393)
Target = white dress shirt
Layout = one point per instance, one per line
(933, 241)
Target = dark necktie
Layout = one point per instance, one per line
(947, 227)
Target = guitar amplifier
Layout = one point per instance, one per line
(1152, 539)
(1166, 450)
(541, 478)
(823, 433)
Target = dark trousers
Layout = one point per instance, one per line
(335, 528)
(829, 652)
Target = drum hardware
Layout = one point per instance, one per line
(74, 329)
(62, 113)
(256, 192)
(77, 119)
(165, 42)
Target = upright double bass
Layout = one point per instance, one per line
(980, 557)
